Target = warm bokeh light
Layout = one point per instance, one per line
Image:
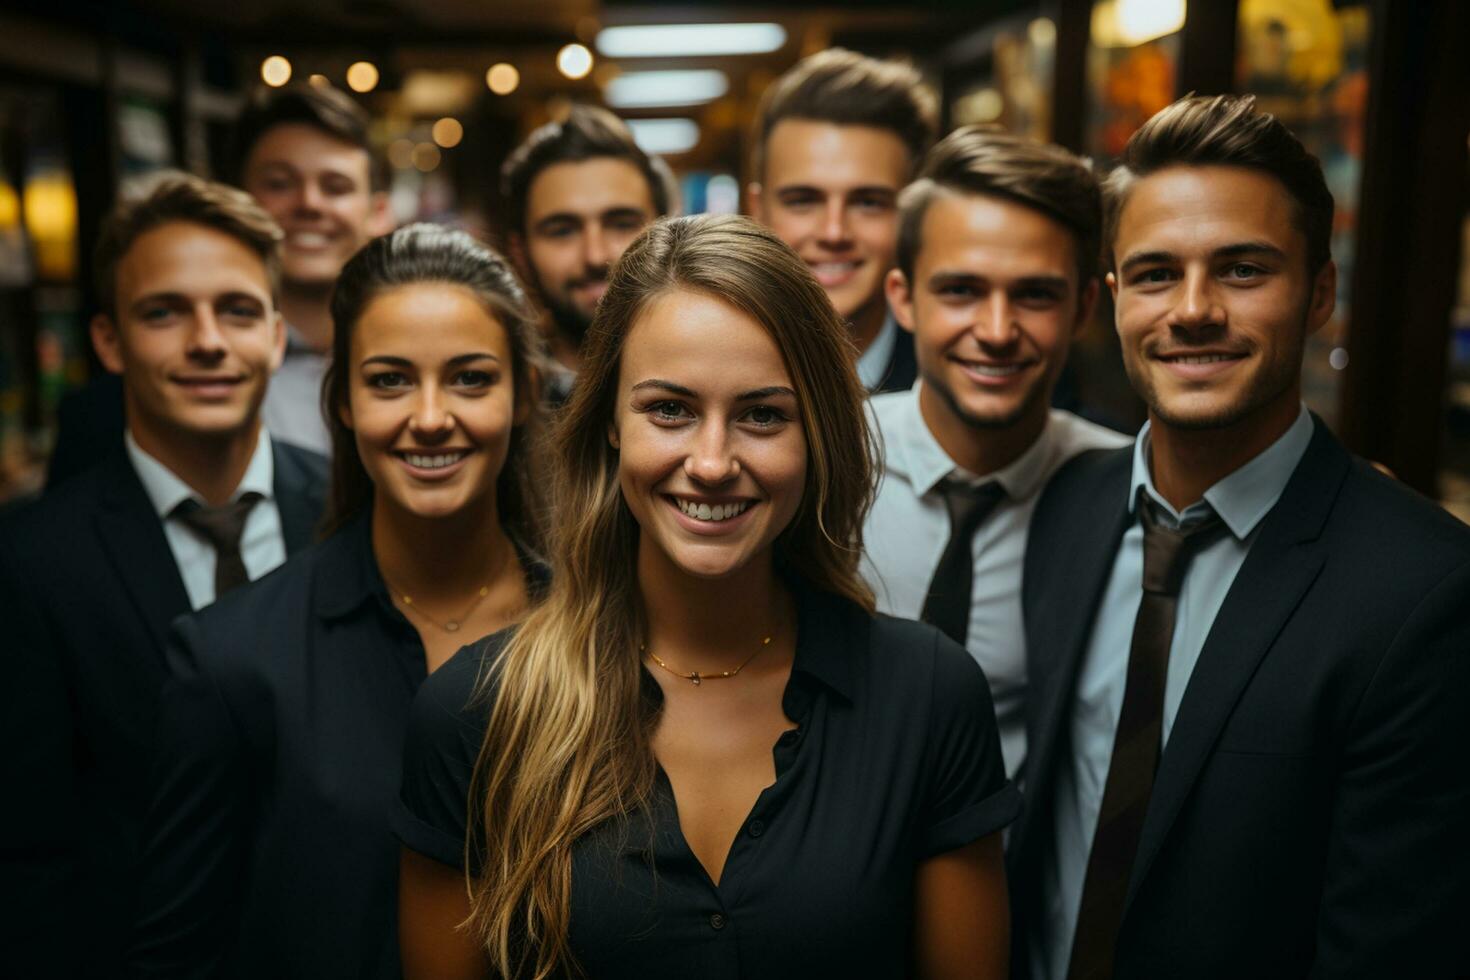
(447, 132)
(574, 61)
(275, 71)
(362, 76)
(320, 81)
(400, 154)
(426, 157)
(1128, 23)
(502, 79)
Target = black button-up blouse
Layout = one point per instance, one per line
(895, 758)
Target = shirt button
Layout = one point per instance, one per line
(717, 921)
(756, 828)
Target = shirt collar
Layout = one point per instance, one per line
(830, 632)
(872, 363)
(1243, 497)
(166, 491)
(918, 457)
(347, 573)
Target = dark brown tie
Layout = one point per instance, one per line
(948, 602)
(222, 526)
(1136, 746)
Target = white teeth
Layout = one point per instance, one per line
(309, 239)
(433, 462)
(711, 512)
(833, 268)
(1201, 359)
(995, 370)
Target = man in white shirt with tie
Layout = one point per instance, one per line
(997, 272)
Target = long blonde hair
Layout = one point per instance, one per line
(568, 745)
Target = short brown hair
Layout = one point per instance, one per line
(1229, 131)
(588, 133)
(986, 160)
(321, 107)
(849, 89)
(186, 198)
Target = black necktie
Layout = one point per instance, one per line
(1136, 745)
(948, 603)
(222, 527)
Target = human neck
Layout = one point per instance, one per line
(1185, 463)
(700, 622)
(867, 322)
(439, 556)
(211, 465)
(977, 449)
(566, 351)
(307, 308)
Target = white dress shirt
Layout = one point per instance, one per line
(262, 543)
(1242, 500)
(872, 364)
(293, 401)
(908, 527)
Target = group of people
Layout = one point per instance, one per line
(725, 596)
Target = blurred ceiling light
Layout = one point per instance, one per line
(447, 132)
(687, 40)
(574, 61)
(320, 81)
(982, 106)
(1042, 32)
(1127, 23)
(431, 94)
(722, 195)
(502, 79)
(362, 76)
(426, 157)
(275, 71)
(639, 89)
(400, 154)
(664, 136)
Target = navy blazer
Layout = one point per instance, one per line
(1310, 812)
(902, 368)
(88, 587)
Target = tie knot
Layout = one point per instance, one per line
(221, 526)
(1167, 550)
(968, 504)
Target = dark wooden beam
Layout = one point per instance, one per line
(1073, 20)
(1414, 197)
(1207, 47)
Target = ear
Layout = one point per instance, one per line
(754, 198)
(515, 245)
(612, 436)
(344, 412)
(1086, 303)
(900, 298)
(380, 216)
(278, 343)
(1324, 297)
(107, 343)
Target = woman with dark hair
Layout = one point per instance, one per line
(280, 737)
(703, 754)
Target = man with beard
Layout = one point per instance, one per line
(1249, 652)
(577, 193)
(997, 272)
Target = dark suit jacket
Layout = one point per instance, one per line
(902, 368)
(1311, 812)
(88, 587)
(89, 422)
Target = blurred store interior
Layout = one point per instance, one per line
(93, 94)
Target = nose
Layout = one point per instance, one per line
(597, 254)
(834, 229)
(1197, 306)
(710, 460)
(431, 418)
(309, 198)
(995, 321)
(206, 340)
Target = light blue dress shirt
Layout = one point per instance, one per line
(872, 364)
(1241, 499)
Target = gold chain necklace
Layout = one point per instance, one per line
(696, 678)
(449, 626)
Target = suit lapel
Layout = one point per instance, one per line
(1276, 574)
(133, 539)
(298, 498)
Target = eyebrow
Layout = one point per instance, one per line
(1233, 250)
(755, 394)
(177, 297)
(814, 189)
(455, 361)
(944, 278)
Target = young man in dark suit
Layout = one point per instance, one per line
(194, 499)
(1249, 652)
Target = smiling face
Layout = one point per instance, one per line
(993, 307)
(830, 192)
(1214, 297)
(318, 189)
(712, 457)
(580, 218)
(431, 401)
(196, 335)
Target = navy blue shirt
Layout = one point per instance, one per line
(895, 758)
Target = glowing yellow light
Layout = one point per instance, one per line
(502, 78)
(1126, 23)
(49, 203)
(400, 154)
(447, 132)
(426, 157)
(362, 76)
(320, 81)
(275, 71)
(574, 61)
(1043, 32)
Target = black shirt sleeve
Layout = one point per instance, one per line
(966, 794)
(445, 728)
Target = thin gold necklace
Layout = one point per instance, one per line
(695, 677)
(448, 626)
